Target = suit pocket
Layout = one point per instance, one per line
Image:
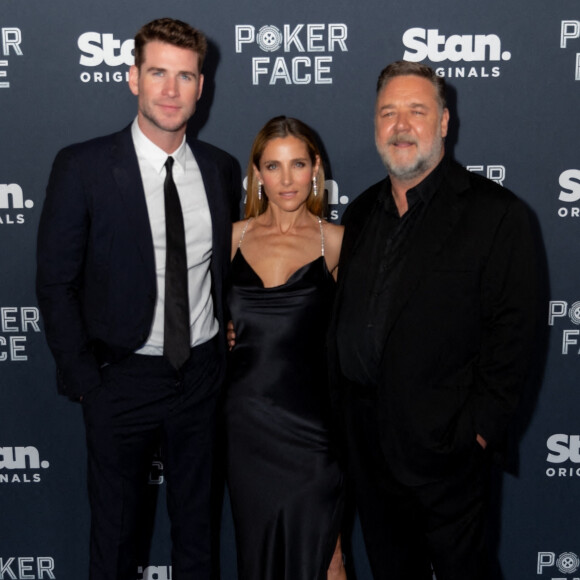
(445, 412)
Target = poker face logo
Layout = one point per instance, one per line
(27, 568)
(308, 52)
(15, 324)
(156, 476)
(494, 172)
(11, 41)
(562, 313)
(553, 564)
(570, 33)
(429, 44)
(269, 38)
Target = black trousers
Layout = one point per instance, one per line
(408, 530)
(143, 405)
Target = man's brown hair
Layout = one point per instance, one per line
(173, 32)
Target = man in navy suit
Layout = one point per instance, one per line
(146, 369)
(430, 342)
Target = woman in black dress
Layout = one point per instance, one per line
(285, 484)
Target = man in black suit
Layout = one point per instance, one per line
(434, 315)
(133, 251)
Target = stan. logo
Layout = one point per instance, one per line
(569, 182)
(12, 203)
(303, 40)
(104, 49)
(20, 465)
(429, 44)
(154, 573)
(563, 449)
(334, 199)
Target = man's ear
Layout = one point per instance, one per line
(444, 122)
(134, 80)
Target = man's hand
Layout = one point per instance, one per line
(481, 441)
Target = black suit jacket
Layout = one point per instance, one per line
(456, 347)
(96, 282)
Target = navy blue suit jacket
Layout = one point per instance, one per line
(96, 282)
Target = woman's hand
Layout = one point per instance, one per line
(230, 335)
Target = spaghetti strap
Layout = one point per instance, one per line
(244, 232)
(321, 236)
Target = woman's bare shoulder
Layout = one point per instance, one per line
(237, 233)
(333, 234)
(238, 228)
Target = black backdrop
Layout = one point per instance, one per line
(514, 73)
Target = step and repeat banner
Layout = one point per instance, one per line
(513, 70)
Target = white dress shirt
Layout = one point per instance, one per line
(198, 236)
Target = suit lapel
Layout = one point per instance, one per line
(127, 176)
(440, 219)
(355, 226)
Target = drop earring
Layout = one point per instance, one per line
(260, 190)
(314, 187)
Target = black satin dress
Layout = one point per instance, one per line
(285, 484)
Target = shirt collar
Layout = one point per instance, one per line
(423, 191)
(427, 188)
(154, 155)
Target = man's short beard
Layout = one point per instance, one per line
(408, 173)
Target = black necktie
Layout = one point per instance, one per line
(176, 337)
